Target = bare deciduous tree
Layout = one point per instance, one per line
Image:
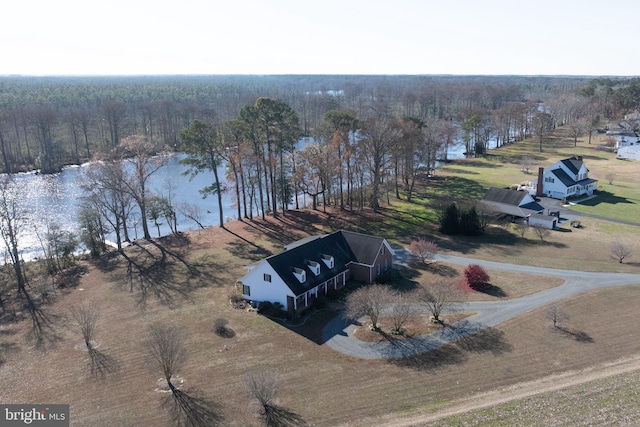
(401, 310)
(13, 218)
(264, 388)
(193, 212)
(167, 346)
(542, 124)
(610, 176)
(526, 162)
(620, 251)
(541, 231)
(438, 297)
(578, 128)
(140, 154)
(368, 301)
(556, 315)
(87, 319)
(424, 249)
(521, 228)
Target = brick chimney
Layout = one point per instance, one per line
(539, 189)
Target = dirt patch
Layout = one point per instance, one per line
(83, 346)
(162, 386)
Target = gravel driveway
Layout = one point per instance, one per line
(337, 333)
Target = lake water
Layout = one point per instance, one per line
(56, 199)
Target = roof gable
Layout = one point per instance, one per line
(364, 248)
(572, 164)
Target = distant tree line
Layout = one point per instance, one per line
(49, 122)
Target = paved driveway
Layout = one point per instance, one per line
(566, 214)
(337, 334)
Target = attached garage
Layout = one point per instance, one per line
(546, 221)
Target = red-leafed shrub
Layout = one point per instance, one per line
(476, 278)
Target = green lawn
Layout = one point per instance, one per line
(470, 178)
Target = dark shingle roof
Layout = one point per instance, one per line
(563, 177)
(504, 195)
(572, 164)
(365, 248)
(533, 206)
(343, 246)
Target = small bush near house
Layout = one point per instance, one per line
(320, 302)
(236, 301)
(221, 329)
(270, 309)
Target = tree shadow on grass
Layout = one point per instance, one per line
(492, 290)
(70, 277)
(605, 197)
(442, 270)
(432, 360)
(101, 364)
(277, 416)
(246, 251)
(153, 270)
(189, 409)
(464, 337)
(575, 334)
(486, 340)
(41, 332)
(400, 279)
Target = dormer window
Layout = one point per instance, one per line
(300, 274)
(328, 260)
(314, 267)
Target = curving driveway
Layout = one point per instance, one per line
(337, 333)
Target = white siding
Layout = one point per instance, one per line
(544, 220)
(274, 291)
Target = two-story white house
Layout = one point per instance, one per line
(314, 266)
(566, 178)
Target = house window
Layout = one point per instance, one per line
(267, 277)
(246, 290)
(549, 179)
(382, 250)
(377, 269)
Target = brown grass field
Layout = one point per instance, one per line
(322, 387)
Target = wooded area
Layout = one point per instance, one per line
(48, 122)
(372, 134)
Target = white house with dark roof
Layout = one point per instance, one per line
(565, 178)
(315, 265)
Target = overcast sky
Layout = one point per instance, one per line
(552, 37)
